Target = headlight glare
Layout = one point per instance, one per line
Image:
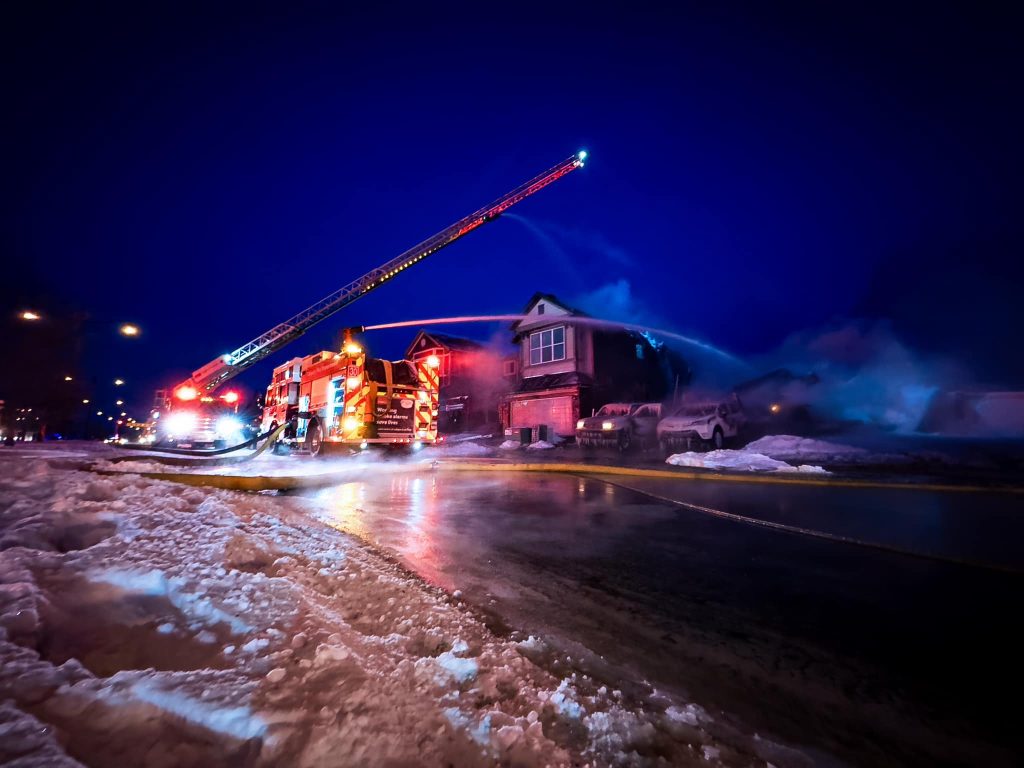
(180, 423)
(228, 426)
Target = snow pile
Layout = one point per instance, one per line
(465, 448)
(540, 445)
(792, 448)
(511, 445)
(148, 623)
(739, 460)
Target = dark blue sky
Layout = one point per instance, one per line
(208, 172)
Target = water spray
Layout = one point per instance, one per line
(570, 319)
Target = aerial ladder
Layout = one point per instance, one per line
(207, 378)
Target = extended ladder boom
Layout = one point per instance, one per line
(217, 371)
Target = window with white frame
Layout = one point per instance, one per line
(547, 346)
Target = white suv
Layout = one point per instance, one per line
(701, 424)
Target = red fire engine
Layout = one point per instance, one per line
(350, 399)
(206, 379)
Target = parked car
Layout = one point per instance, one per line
(701, 425)
(620, 425)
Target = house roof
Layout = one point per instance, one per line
(454, 343)
(551, 299)
(553, 381)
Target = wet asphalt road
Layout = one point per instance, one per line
(845, 652)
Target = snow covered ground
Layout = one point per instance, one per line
(148, 623)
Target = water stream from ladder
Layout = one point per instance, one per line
(574, 320)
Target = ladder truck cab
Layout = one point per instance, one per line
(352, 400)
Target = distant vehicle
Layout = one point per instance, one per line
(619, 425)
(705, 425)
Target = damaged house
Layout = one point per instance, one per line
(563, 371)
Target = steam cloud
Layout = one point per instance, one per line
(865, 374)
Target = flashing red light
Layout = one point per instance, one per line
(230, 397)
(186, 393)
(434, 361)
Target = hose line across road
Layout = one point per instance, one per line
(803, 531)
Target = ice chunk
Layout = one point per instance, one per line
(463, 670)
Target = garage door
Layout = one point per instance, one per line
(556, 412)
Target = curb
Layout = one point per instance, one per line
(606, 469)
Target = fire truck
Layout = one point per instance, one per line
(348, 399)
(199, 421)
(188, 397)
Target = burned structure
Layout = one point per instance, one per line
(562, 370)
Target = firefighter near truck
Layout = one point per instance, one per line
(320, 411)
(348, 400)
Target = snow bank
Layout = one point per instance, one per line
(792, 448)
(269, 465)
(464, 448)
(159, 624)
(511, 445)
(739, 460)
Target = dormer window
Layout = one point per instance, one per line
(540, 309)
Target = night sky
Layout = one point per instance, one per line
(754, 173)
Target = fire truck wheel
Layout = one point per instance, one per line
(315, 438)
(717, 439)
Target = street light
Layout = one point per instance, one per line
(68, 378)
(119, 402)
(85, 402)
(28, 314)
(129, 330)
(118, 382)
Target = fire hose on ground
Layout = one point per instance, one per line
(270, 436)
